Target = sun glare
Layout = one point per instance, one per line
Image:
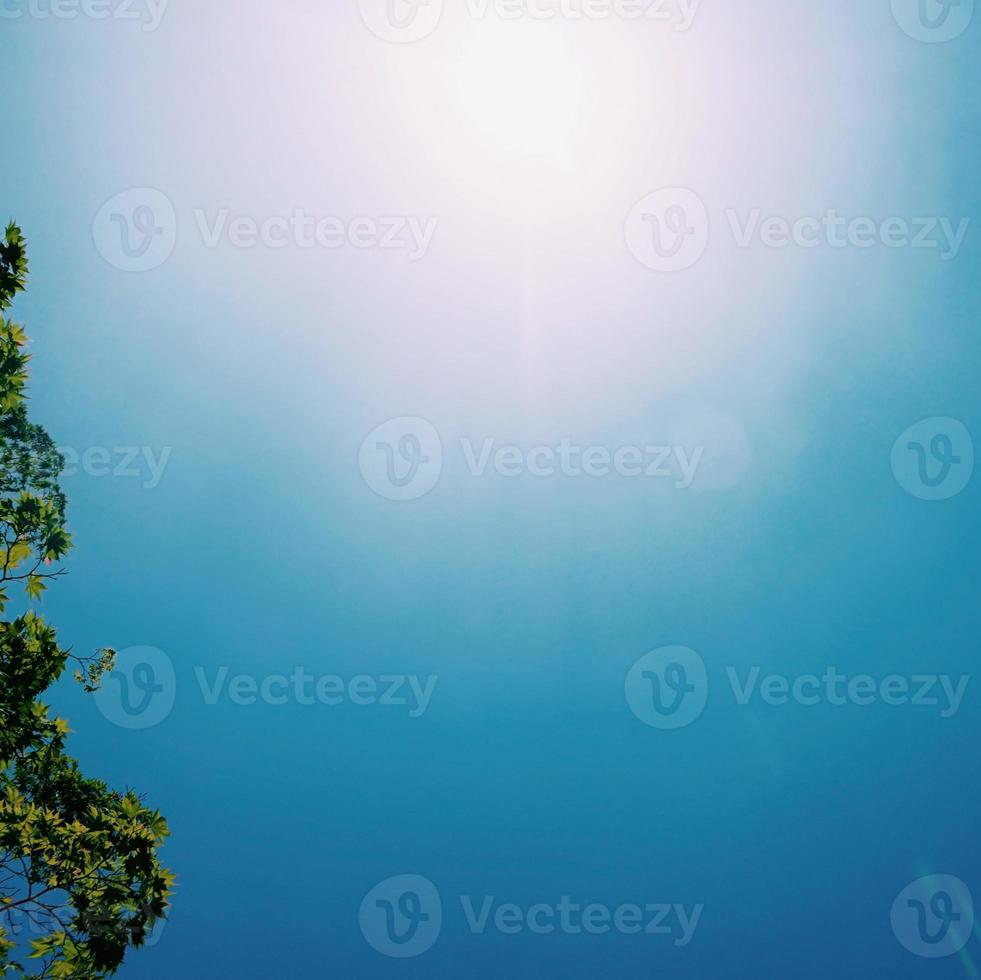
(521, 87)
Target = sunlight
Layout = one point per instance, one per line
(521, 87)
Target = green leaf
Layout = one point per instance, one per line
(35, 586)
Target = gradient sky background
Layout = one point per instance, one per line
(262, 548)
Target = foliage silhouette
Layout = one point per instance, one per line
(80, 875)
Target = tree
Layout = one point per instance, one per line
(80, 876)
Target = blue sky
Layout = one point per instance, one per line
(235, 508)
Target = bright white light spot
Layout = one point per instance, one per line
(521, 86)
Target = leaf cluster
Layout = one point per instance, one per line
(80, 876)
